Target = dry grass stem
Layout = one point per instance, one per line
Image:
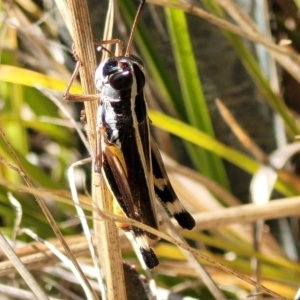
(248, 213)
(107, 245)
(242, 136)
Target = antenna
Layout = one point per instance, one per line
(137, 16)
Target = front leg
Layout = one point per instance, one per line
(76, 97)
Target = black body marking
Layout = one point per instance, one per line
(127, 156)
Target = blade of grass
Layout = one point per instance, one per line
(191, 88)
(30, 78)
(207, 142)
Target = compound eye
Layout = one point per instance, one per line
(110, 66)
(121, 81)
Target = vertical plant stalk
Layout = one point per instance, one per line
(106, 232)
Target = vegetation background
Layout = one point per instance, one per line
(189, 63)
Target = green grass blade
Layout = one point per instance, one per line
(207, 142)
(30, 78)
(191, 88)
